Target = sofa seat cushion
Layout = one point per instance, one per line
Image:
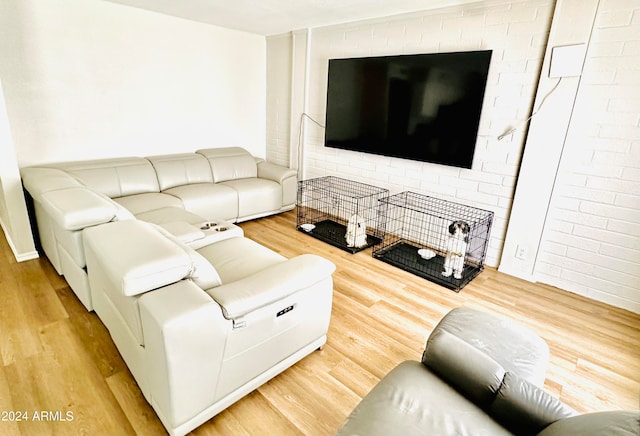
(411, 400)
(210, 201)
(256, 196)
(202, 273)
(170, 215)
(149, 201)
(239, 257)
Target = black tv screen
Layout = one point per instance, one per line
(424, 107)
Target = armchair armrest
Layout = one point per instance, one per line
(271, 284)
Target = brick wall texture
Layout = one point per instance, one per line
(591, 243)
(591, 240)
(517, 34)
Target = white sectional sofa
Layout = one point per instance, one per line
(200, 314)
(226, 184)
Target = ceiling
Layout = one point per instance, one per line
(271, 17)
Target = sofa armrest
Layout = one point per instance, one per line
(271, 284)
(524, 408)
(78, 207)
(609, 423)
(38, 180)
(286, 177)
(184, 336)
(136, 257)
(277, 173)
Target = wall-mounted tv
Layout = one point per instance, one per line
(424, 107)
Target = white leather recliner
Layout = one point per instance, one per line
(199, 329)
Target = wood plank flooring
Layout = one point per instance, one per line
(62, 375)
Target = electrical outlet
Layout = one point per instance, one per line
(521, 252)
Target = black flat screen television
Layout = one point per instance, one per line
(424, 107)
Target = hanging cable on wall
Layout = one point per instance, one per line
(533, 114)
(302, 117)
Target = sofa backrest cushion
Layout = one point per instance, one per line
(181, 169)
(472, 372)
(230, 163)
(613, 423)
(524, 408)
(117, 177)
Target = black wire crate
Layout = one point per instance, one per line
(340, 212)
(439, 240)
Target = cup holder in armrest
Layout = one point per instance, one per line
(216, 231)
(207, 226)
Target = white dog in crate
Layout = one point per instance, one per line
(356, 235)
(456, 247)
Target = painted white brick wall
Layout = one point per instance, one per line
(591, 243)
(278, 104)
(516, 31)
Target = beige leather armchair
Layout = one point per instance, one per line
(480, 374)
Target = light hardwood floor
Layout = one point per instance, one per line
(59, 359)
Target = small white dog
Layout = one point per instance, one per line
(356, 235)
(456, 249)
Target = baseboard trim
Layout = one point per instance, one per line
(20, 257)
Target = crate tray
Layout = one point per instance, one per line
(334, 233)
(405, 256)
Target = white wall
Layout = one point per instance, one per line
(278, 99)
(591, 242)
(88, 79)
(547, 131)
(588, 241)
(13, 209)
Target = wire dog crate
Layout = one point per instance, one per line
(341, 212)
(418, 238)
